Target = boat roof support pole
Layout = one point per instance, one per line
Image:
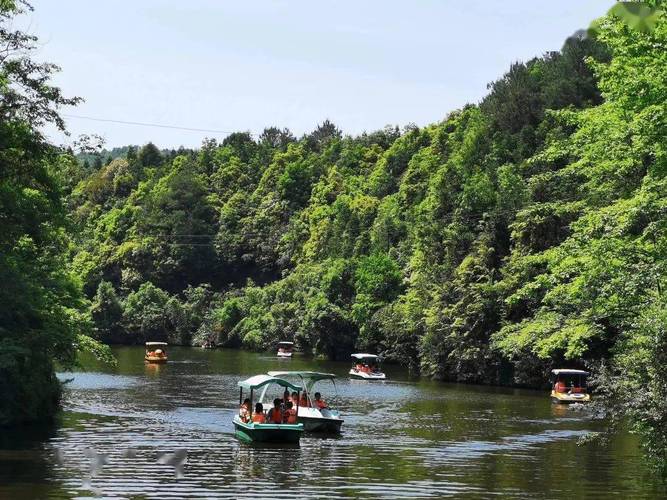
(261, 397)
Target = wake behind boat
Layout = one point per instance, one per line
(315, 415)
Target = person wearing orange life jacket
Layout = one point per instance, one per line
(275, 413)
(304, 400)
(289, 415)
(244, 411)
(319, 402)
(258, 417)
(560, 386)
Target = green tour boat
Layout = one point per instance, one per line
(256, 428)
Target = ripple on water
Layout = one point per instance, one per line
(401, 439)
(96, 381)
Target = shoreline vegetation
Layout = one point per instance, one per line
(523, 233)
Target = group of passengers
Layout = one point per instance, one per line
(573, 386)
(366, 367)
(283, 411)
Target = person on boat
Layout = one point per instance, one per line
(289, 416)
(244, 411)
(319, 402)
(560, 386)
(258, 417)
(294, 398)
(286, 396)
(275, 413)
(304, 400)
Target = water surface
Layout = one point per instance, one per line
(401, 438)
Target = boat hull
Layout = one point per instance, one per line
(325, 420)
(284, 354)
(324, 425)
(565, 398)
(155, 359)
(268, 433)
(367, 376)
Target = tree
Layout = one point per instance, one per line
(41, 311)
(107, 312)
(323, 135)
(144, 315)
(149, 156)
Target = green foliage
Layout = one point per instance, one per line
(43, 317)
(518, 234)
(145, 315)
(106, 311)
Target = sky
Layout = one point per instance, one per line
(244, 65)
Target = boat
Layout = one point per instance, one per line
(285, 349)
(366, 367)
(156, 352)
(208, 344)
(314, 419)
(569, 386)
(265, 432)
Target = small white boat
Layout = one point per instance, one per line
(315, 416)
(285, 349)
(366, 367)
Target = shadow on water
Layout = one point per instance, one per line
(26, 459)
(401, 438)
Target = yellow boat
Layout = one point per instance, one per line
(569, 386)
(156, 352)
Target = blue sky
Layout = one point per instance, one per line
(244, 65)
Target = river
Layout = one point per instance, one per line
(402, 438)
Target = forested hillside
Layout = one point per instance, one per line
(516, 235)
(520, 233)
(438, 247)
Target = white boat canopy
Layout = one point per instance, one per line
(261, 380)
(314, 376)
(564, 371)
(309, 379)
(285, 343)
(153, 344)
(365, 356)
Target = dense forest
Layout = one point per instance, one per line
(44, 317)
(522, 233)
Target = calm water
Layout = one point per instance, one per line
(401, 438)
